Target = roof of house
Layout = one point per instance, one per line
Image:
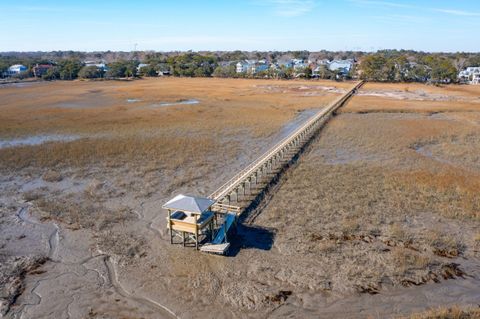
(191, 204)
(16, 66)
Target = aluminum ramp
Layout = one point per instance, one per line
(220, 244)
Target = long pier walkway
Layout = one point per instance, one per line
(237, 193)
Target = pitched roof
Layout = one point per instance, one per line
(191, 204)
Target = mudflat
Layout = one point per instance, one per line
(379, 217)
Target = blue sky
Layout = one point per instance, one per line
(369, 25)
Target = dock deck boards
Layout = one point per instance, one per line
(216, 249)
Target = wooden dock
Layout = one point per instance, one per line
(241, 189)
(210, 220)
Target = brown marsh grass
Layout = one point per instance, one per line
(449, 313)
(399, 193)
(429, 98)
(114, 131)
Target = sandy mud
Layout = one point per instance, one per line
(379, 217)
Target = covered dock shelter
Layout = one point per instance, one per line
(190, 218)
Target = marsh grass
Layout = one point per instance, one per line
(455, 312)
(81, 215)
(363, 185)
(445, 245)
(123, 244)
(115, 133)
(52, 176)
(451, 98)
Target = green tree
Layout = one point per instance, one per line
(90, 72)
(69, 69)
(224, 71)
(473, 61)
(116, 70)
(121, 69)
(325, 73)
(442, 69)
(372, 68)
(376, 67)
(52, 74)
(148, 70)
(130, 69)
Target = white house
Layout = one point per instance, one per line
(476, 79)
(344, 66)
(323, 62)
(141, 65)
(470, 75)
(101, 66)
(316, 70)
(299, 65)
(16, 69)
(242, 67)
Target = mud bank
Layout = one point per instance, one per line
(363, 226)
(36, 140)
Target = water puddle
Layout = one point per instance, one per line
(179, 102)
(417, 95)
(36, 140)
(17, 84)
(133, 100)
(310, 90)
(457, 157)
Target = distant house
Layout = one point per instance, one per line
(141, 65)
(316, 70)
(286, 64)
(475, 79)
(258, 67)
(323, 62)
(251, 66)
(225, 64)
(41, 69)
(245, 66)
(16, 69)
(241, 67)
(299, 64)
(99, 65)
(470, 75)
(164, 69)
(341, 66)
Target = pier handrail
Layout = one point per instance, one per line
(247, 171)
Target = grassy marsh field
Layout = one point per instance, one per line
(381, 210)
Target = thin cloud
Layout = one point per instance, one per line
(402, 19)
(289, 8)
(39, 8)
(458, 12)
(381, 3)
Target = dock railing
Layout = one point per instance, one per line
(245, 173)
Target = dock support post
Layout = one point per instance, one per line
(196, 232)
(170, 226)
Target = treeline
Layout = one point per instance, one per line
(71, 69)
(397, 66)
(113, 56)
(386, 65)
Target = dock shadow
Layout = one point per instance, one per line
(250, 237)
